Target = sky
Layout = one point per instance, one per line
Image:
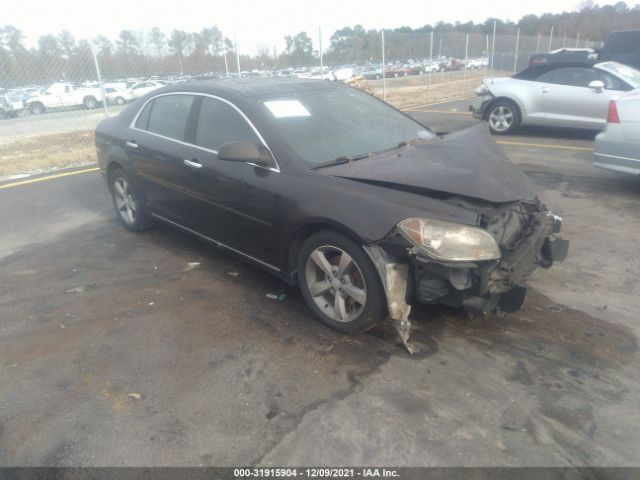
(255, 23)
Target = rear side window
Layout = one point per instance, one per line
(143, 119)
(574, 76)
(169, 114)
(219, 123)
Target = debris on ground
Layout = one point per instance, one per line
(233, 274)
(277, 296)
(135, 395)
(191, 266)
(81, 288)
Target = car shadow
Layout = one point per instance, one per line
(554, 132)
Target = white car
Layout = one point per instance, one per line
(617, 148)
(116, 96)
(557, 94)
(142, 88)
(64, 95)
(10, 105)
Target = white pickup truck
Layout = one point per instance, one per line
(64, 95)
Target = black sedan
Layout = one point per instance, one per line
(334, 190)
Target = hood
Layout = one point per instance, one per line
(467, 163)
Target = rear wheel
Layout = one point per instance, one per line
(90, 102)
(340, 283)
(127, 202)
(36, 108)
(503, 117)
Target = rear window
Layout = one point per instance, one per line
(168, 115)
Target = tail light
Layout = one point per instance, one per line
(612, 115)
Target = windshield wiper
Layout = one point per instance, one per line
(340, 160)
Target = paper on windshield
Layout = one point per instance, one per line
(287, 108)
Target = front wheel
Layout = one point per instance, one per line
(503, 117)
(127, 202)
(340, 283)
(120, 101)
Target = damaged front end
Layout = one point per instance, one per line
(482, 268)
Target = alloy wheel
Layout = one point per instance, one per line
(125, 203)
(336, 283)
(501, 118)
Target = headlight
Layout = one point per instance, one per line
(449, 241)
(481, 90)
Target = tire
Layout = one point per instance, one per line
(127, 202)
(503, 117)
(120, 101)
(349, 301)
(90, 102)
(37, 108)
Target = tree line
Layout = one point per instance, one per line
(62, 57)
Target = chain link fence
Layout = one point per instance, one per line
(53, 96)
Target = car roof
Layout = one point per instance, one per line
(535, 71)
(252, 87)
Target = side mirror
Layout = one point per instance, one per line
(244, 151)
(597, 85)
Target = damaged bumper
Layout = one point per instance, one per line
(484, 287)
(479, 104)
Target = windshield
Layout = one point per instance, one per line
(322, 126)
(628, 74)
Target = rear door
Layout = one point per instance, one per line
(157, 149)
(569, 102)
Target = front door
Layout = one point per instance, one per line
(570, 102)
(234, 203)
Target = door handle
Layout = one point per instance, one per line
(544, 89)
(192, 164)
(131, 144)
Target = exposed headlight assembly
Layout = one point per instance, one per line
(481, 90)
(449, 242)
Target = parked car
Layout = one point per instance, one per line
(477, 63)
(623, 47)
(372, 73)
(570, 94)
(64, 95)
(10, 105)
(287, 174)
(416, 69)
(140, 89)
(431, 67)
(618, 146)
(117, 96)
(397, 71)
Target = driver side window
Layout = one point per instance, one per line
(219, 123)
(574, 76)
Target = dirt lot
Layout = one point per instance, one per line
(47, 152)
(222, 375)
(418, 90)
